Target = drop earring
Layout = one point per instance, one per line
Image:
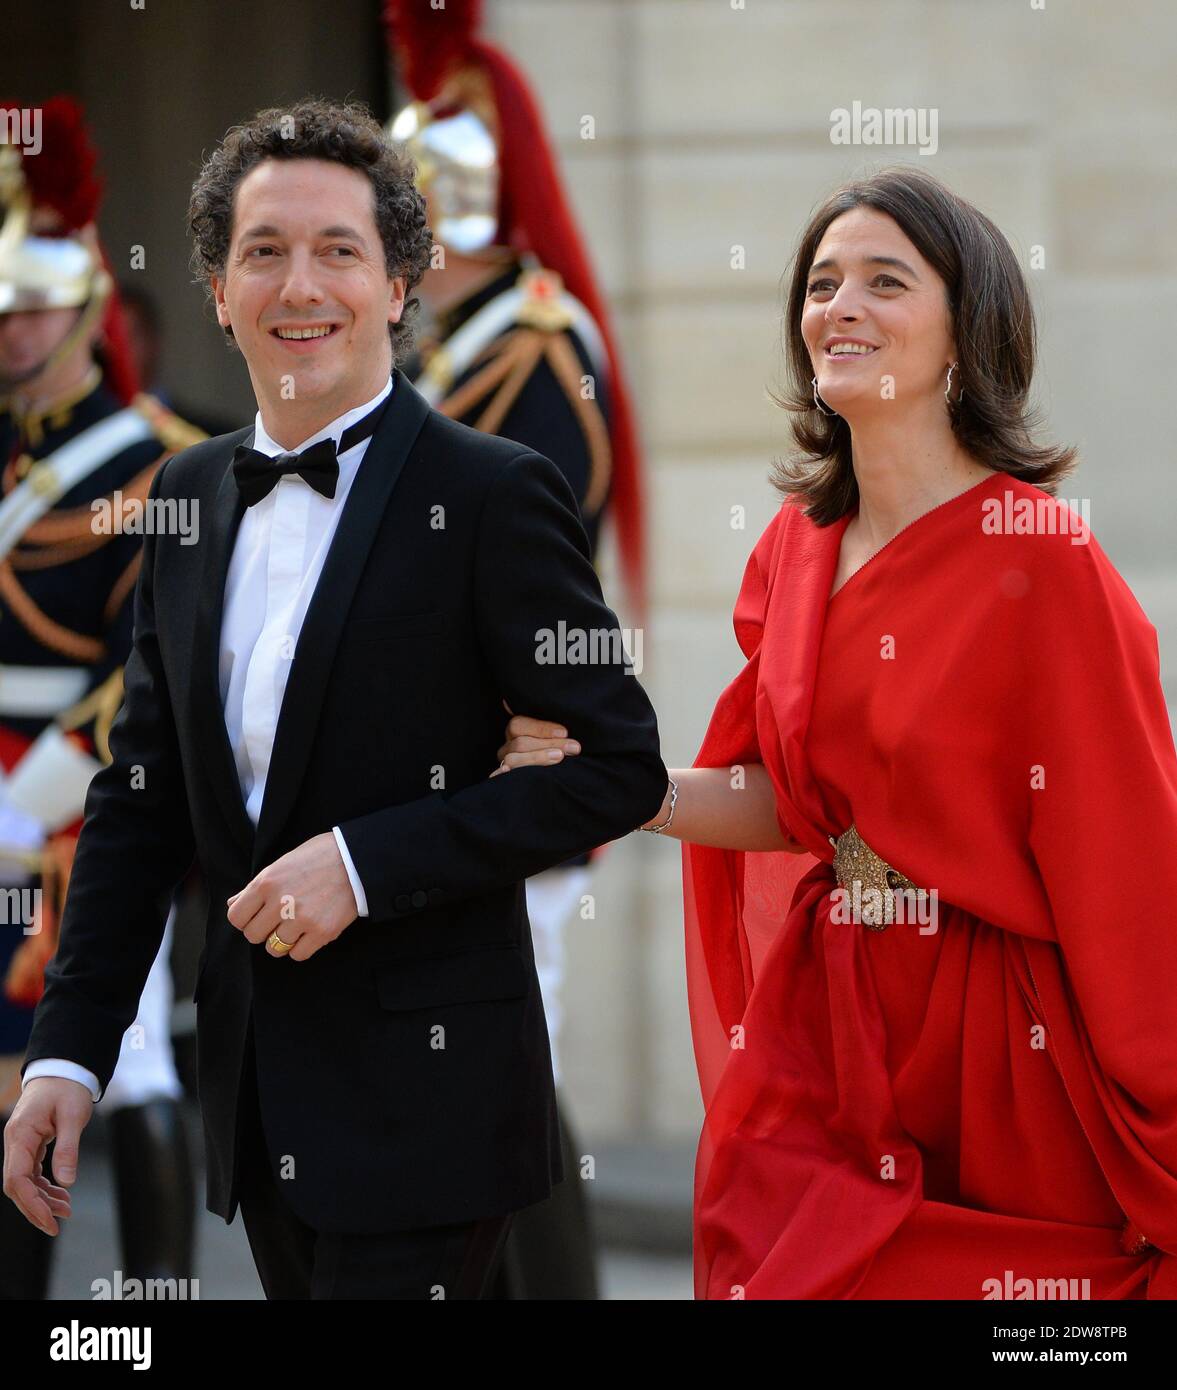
(818, 401)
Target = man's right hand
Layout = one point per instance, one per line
(50, 1107)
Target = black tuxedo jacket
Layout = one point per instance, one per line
(403, 1071)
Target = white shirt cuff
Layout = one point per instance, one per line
(68, 1071)
(356, 886)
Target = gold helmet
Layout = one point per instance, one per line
(49, 252)
(453, 144)
(44, 272)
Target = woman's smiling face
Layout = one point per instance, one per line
(876, 319)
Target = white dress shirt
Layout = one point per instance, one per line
(277, 559)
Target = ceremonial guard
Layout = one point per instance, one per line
(78, 448)
(516, 342)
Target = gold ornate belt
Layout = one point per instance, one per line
(877, 882)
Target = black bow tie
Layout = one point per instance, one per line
(257, 474)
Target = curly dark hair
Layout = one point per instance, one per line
(343, 133)
(992, 321)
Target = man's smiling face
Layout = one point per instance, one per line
(306, 290)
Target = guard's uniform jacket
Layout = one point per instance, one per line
(67, 582)
(521, 358)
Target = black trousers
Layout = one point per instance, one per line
(550, 1253)
(295, 1261)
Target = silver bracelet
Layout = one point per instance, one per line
(658, 829)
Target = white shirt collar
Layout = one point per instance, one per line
(265, 445)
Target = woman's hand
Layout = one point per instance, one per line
(533, 741)
(712, 808)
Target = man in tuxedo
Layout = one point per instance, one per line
(312, 707)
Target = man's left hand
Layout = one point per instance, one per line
(305, 897)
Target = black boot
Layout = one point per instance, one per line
(25, 1253)
(156, 1203)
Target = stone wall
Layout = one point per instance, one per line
(710, 129)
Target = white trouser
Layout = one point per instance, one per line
(552, 898)
(146, 1069)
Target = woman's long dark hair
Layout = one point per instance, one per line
(992, 322)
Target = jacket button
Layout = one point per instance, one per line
(402, 902)
(419, 898)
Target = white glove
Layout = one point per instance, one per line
(50, 781)
(18, 830)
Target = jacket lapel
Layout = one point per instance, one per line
(313, 656)
(207, 712)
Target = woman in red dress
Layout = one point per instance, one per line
(966, 1091)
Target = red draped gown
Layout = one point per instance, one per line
(910, 1113)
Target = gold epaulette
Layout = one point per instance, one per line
(542, 306)
(505, 368)
(171, 431)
